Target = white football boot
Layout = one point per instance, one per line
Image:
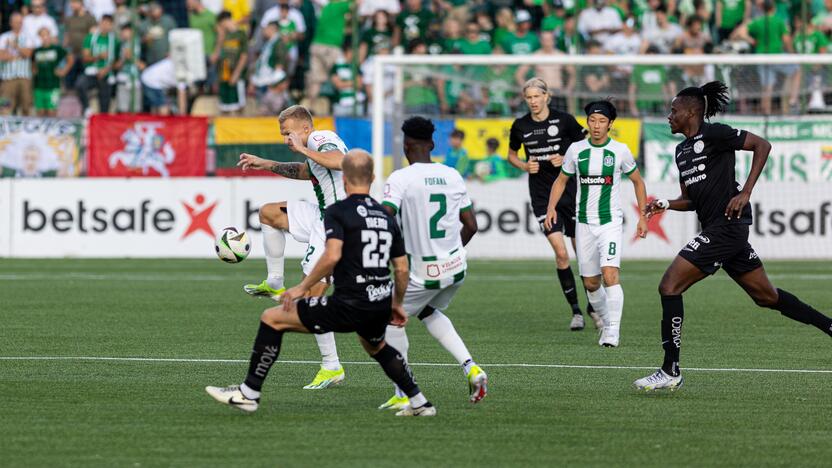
(659, 380)
(232, 396)
(425, 410)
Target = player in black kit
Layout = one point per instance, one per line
(546, 133)
(705, 160)
(361, 241)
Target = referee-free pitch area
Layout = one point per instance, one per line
(752, 399)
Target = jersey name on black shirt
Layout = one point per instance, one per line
(706, 169)
(371, 238)
(542, 140)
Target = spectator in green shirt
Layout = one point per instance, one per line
(420, 88)
(524, 41)
(99, 54)
(493, 167)
(809, 40)
(650, 88)
(412, 23)
(730, 14)
(204, 20)
(505, 26)
(347, 96)
(457, 156)
(47, 74)
(473, 43)
(451, 34)
(129, 66)
(568, 40)
(326, 44)
(380, 34)
(269, 81)
(555, 16)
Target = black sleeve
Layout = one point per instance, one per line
(515, 137)
(397, 249)
(731, 138)
(575, 131)
(333, 226)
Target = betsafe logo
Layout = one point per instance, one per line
(145, 216)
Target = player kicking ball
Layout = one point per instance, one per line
(546, 133)
(437, 222)
(705, 160)
(303, 220)
(597, 164)
(361, 240)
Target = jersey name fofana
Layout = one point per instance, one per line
(327, 183)
(598, 171)
(429, 198)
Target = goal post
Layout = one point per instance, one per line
(746, 75)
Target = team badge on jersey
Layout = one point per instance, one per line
(552, 130)
(361, 211)
(698, 146)
(609, 160)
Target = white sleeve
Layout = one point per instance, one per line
(300, 23)
(465, 203)
(394, 191)
(271, 15)
(569, 163)
(325, 140)
(628, 162)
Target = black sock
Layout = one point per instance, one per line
(567, 283)
(673, 314)
(397, 370)
(796, 309)
(265, 352)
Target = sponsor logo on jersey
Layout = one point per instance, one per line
(380, 292)
(704, 239)
(698, 146)
(753, 255)
(361, 211)
(542, 150)
(693, 170)
(609, 160)
(694, 180)
(552, 130)
(595, 180)
(699, 158)
(526, 135)
(553, 140)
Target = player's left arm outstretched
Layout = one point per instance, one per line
(761, 148)
(330, 158)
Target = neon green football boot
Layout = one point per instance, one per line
(395, 403)
(477, 384)
(263, 289)
(326, 378)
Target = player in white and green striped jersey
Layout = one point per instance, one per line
(437, 222)
(598, 163)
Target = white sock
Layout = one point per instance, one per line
(615, 305)
(598, 299)
(248, 392)
(274, 244)
(397, 338)
(329, 354)
(440, 326)
(418, 400)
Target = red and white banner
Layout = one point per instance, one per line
(146, 146)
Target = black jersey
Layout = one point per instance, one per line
(371, 238)
(542, 140)
(706, 168)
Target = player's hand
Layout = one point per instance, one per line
(291, 295)
(293, 140)
(641, 229)
(654, 207)
(736, 205)
(250, 161)
(399, 317)
(532, 167)
(557, 160)
(551, 218)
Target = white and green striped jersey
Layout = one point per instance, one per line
(429, 198)
(328, 183)
(18, 66)
(598, 169)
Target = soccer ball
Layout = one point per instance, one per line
(232, 246)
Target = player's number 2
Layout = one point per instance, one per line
(435, 232)
(376, 251)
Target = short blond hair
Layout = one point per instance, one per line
(538, 83)
(295, 112)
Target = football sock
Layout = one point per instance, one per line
(418, 400)
(598, 300)
(397, 338)
(796, 309)
(274, 244)
(673, 314)
(441, 328)
(249, 393)
(329, 353)
(615, 305)
(467, 365)
(397, 370)
(265, 352)
(567, 283)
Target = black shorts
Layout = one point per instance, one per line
(566, 219)
(331, 314)
(722, 246)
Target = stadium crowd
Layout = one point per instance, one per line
(76, 57)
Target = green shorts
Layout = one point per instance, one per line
(232, 96)
(47, 99)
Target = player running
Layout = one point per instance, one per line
(437, 222)
(303, 220)
(705, 160)
(597, 164)
(361, 241)
(546, 133)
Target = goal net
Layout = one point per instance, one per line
(784, 98)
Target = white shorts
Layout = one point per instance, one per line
(598, 246)
(307, 227)
(417, 297)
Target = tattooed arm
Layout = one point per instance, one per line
(292, 170)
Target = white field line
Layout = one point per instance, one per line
(474, 276)
(422, 364)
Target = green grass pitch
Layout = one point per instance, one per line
(155, 413)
